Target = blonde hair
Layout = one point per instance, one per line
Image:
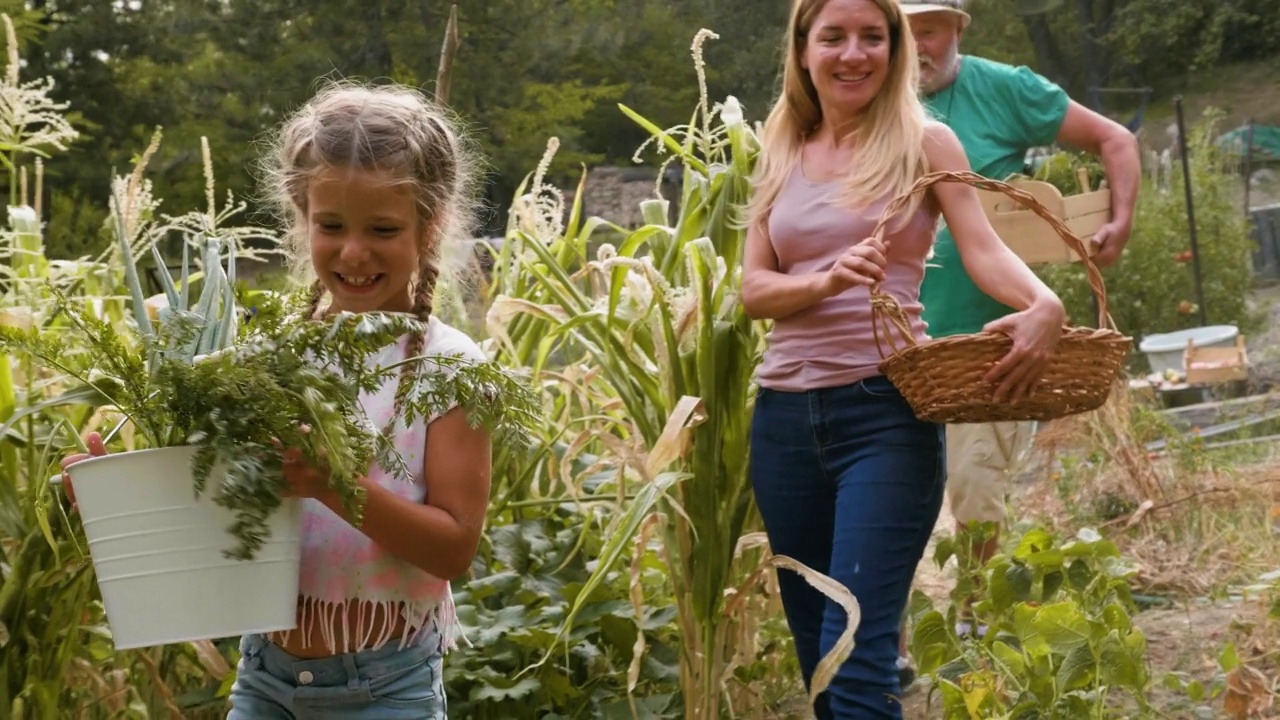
(890, 139)
(394, 131)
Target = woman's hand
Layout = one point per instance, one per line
(862, 264)
(1035, 333)
(96, 449)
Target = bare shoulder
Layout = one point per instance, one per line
(942, 148)
(939, 136)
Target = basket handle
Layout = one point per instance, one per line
(887, 314)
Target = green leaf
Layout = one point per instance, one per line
(944, 550)
(1174, 681)
(620, 538)
(689, 158)
(495, 692)
(1024, 624)
(92, 395)
(131, 269)
(952, 697)
(646, 708)
(1020, 578)
(1010, 659)
(1228, 660)
(1122, 662)
(1079, 574)
(1050, 585)
(166, 281)
(931, 642)
(1002, 594)
(1077, 668)
(1117, 618)
(1063, 626)
(1033, 541)
(1046, 560)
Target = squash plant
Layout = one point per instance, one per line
(200, 376)
(1060, 639)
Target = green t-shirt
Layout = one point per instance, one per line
(999, 112)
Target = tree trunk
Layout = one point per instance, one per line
(1094, 72)
(1048, 56)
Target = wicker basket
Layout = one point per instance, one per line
(943, 379)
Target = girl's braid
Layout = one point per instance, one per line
(423, 299)
(313, 305)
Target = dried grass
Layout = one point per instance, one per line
(1192, 523)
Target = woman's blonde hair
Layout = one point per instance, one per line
(890, 140)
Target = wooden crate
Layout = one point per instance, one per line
(1212, 365)
(1030, 236)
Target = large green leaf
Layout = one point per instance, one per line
(1063, 626)
(95, 395)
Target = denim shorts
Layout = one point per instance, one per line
(384, 684)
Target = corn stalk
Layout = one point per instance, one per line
(56, 657)
(655, 321)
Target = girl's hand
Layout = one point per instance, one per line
(96, 449)
(305, 480)
(862, 264)
(1035, 333)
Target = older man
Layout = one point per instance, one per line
(999, 112)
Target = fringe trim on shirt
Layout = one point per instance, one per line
(375, 623)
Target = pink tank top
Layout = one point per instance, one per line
(830, 344)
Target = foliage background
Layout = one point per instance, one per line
(527, 70)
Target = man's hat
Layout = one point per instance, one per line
(919, 7)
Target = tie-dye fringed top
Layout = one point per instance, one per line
(342, 569)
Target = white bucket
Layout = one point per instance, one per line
(158, 553)
(1165, 350)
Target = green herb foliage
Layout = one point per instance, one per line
(288, 380)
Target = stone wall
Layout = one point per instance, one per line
(615, 193)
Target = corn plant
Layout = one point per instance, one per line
(653, 322)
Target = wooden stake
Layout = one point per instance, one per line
(448, 51)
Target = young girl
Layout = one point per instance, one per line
(847, 479)
(373, 181)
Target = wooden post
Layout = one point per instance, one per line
(1197, 272)
(1248, 164)
(448, 51)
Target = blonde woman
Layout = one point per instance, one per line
(848, 480)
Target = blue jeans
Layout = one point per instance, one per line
(384, 684)
(850, 483)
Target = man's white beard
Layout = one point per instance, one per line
(938, 76)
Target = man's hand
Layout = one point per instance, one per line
(1110, 241)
